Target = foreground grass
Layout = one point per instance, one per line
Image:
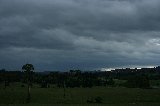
(112, 96)
(138, 104)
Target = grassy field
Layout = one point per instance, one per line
(111, 96)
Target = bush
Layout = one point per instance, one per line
(94, 100)
(90, 100)
(98, 100)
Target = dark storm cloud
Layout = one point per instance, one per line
(85, 34)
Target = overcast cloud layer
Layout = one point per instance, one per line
(79, 34)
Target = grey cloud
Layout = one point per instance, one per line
(86, 34)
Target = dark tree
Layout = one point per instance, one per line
(28, 70)
(4, 77)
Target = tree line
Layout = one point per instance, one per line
(76, 78)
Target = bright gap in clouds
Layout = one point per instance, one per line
(131, 67)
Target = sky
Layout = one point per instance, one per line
(79, 34)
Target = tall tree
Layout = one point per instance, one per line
(4, 77)
(28, 70)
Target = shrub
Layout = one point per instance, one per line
(98, 100)
(94, 100)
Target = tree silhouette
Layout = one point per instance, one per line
(28, 70)
(4, 78)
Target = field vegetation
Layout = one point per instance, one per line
(16, 94)
(90, 88)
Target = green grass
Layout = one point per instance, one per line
(111, 96)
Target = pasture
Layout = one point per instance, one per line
(110, 96)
